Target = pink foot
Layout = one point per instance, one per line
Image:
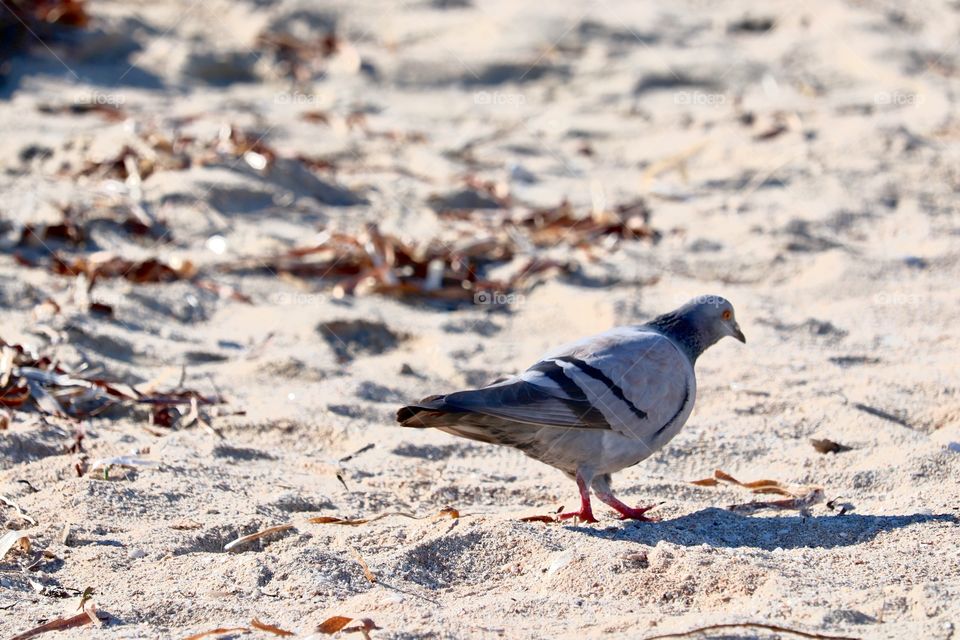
(584, 515)
(627, 512)
(636, 513)
(586, 512)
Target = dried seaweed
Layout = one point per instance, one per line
(799, 499)
(27, 378)
(449, 268)
(748, 625)
(560, 224)
(375, 263)
(100, 265)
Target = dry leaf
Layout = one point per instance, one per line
(217, 632)
(334, 624)
(269, 628)
(706, 482)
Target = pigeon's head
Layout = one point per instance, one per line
(701, 323)
(713, 318)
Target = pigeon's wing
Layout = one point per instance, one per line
(631, 381)
(541, 396)
(636, 378)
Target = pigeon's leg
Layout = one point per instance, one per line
(601, 484)
(586, 511)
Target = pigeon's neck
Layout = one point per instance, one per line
(684, 333)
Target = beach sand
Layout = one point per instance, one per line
(800, 159)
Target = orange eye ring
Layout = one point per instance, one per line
(726, 314)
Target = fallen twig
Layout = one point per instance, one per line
(367, 573)
(256, 536)
(749, 625)
(87, 616)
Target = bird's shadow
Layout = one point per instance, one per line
(721, 528)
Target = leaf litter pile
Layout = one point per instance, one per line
(450, 267)
(29, 381)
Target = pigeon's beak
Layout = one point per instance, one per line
(737, 333)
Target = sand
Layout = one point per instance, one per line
(805, 168)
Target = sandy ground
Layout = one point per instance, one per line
(799, 158)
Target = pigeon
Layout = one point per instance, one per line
(592, 407)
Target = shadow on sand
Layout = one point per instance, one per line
(721, 528)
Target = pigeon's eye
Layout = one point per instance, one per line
(726, 314)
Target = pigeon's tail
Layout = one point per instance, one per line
(429, 412)
(438, 413)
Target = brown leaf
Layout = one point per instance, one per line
(269, 628)
(219, 631)
(333, 624)
(706, 482)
